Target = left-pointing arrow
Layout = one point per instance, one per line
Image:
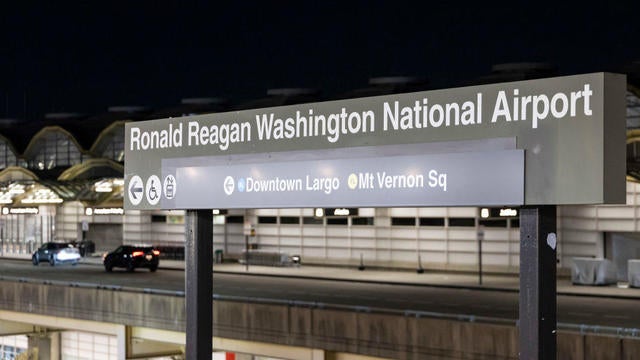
(135, 189)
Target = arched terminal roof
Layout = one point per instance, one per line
(98, 140)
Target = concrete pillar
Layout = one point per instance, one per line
(318, 354)
(56, 345)
(123, 342)
(42, 347)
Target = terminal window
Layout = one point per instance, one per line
(235, 219)
(337, 221)
(312, 220)
(362, 221)
(502, 223)
(267, 219)
(289, 220)
(431, 221)
(403, 221)
(462, 222)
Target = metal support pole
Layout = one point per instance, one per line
(537, 323)
(246, 253)
(480, 239)
(199, 283)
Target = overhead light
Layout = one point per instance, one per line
(341, 212)
(41, 201)
(16, 189)
(108, 211)
(42, 196)
(508, 212)
(28, 210)
(103, 186)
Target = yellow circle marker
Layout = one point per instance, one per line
(352, 181)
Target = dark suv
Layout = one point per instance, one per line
(131, 257)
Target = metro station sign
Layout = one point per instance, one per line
(548, 141)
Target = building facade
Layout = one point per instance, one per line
(62, 180)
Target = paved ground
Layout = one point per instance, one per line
(433, 278)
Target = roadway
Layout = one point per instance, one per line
(503, 304)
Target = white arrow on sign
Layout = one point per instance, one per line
(135, 190)
(229, 185)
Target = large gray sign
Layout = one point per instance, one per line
(482, 178)
(572, 131)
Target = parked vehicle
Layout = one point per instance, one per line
(56, 253)
(132, 257)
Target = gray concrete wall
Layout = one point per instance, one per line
(375, 333)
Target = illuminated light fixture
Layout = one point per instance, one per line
(5, 211)
(216, 212)
(341, 212)
(42, 196)
(20, 210)
(484, 213)
(319, 212)
(41, 201)
(108, 211)
(508, 212)
(16, 189)
(118, 182)
(103, 186)
(88, 211)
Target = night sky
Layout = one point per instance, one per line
(84, 56)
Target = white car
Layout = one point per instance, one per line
(56, 253)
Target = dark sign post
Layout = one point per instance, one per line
(538, 282)
(515, 143)
(199, 283)
(480, 239)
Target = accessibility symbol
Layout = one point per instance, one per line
(135, 190)
(153, 189)
(169, 187)
(229, 185)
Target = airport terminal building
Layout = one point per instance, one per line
(62, 179)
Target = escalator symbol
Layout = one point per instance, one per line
(169, 186)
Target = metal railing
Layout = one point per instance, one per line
(583, 329)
